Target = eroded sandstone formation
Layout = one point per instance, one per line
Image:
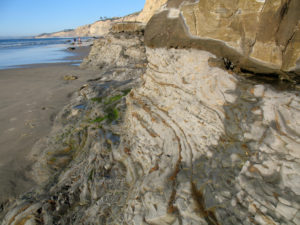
(208, 147)
(260, 36)
(98, 28)
(150, 8)
(102, 27)
(80, 181)
(170, 133)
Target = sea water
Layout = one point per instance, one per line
(15, 53)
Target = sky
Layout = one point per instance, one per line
(33, 17)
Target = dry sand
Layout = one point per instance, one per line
(29, 100)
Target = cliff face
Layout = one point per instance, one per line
(171, 133)
(98, 28)
(209, 147)
(101, 28)
(151, 7)
(258, 36)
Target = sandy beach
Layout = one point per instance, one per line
(29, 100)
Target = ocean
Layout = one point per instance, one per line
(16, 53)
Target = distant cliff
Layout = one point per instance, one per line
(102, 27)
(98, 28)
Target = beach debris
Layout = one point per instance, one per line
(83, 86)
(70, 77)
(71, 48)
(30, 123)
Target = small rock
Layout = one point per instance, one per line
(258, 91)
(71, 48)
(70, 77)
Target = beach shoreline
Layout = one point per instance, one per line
(30, 98)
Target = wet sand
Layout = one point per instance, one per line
(29, 100)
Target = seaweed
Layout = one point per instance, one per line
(97, 99)
(126, 91)
(98, 119)
(112, 114)
(112, 99)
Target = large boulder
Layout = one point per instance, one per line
(259, 36)
(124, 49)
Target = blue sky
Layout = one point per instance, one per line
(32, 17)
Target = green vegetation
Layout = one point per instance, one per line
(112, 114)
(98, 119)
(113, 99)
(125, 92)
(97, 99)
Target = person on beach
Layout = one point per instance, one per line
(79, 41)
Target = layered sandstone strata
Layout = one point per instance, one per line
(194, 142)
(101, 28)
(260, 36)
(206, 146)
(151, 7)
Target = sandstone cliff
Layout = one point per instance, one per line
(258, 36)
(151, 7)
(174, 132)
(101, 28)
(98, 28)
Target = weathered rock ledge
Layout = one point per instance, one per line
(258, 36)
(164, 136)
(209, 147)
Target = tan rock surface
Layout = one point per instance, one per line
(117, 51)
(261, 36)
(194, 143)
(150, 8)
(207, 147)
(98, 28)
(127, 27)
(101, 28)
